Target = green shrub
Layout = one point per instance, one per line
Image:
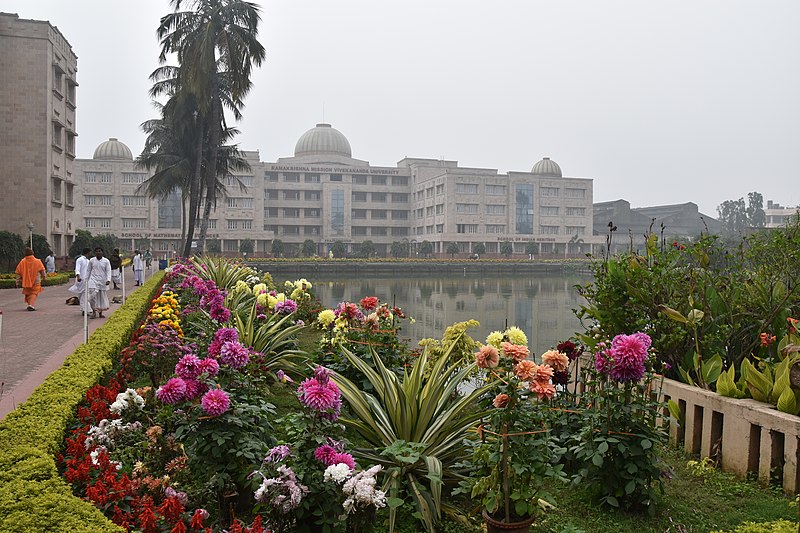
(777, 526)
(9, 281)
(33, 497)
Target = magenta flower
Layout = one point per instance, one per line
(286, 307)
(603, 361)
(209, 366)
(325, 454)
(215, 402)
(278, 454)
(222, 336)
(220, 313)
(194, 389)
(234, 354)
(188, 367)
(321, 394)
(628, 346)
(172, 392)
(345, 458)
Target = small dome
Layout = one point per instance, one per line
(323, 140)
(113, 149)
(547, 167)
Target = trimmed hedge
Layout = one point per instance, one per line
(57, 279)
(33, 496)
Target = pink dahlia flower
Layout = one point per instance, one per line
(369, 303)
(209, 366)
(215, 402)
(172, 392)
(517, 352)
(501, 400)
(526, 370)
(194, 389)
(222, 336)
(345, 458)
(559, 361)
(543, 390)
(234, 354)
(325, 454)
(323, 398)
(487, 357)
(188, 367)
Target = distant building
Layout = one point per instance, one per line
(680, 221)
(37, 140)
(324, 194)
(777, 215)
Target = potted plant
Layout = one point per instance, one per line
(513, 457)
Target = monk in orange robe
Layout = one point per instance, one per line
(29, 271)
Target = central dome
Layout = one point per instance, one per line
(546, 167)
(113, 149)
(323, 140)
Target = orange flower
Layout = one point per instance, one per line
(792, 324)
(515, 351)
(543, 389)
(501, 400)
(526, 370)
(487, 357)
(556, 359)
(766, 339)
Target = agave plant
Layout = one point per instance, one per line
(417, 429)
(224, 272)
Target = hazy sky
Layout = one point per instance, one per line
(659, 102)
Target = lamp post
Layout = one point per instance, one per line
(30, 227)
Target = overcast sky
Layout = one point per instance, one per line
(659, 102)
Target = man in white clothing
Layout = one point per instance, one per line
(81, 273)
(50, 263)
(99, 280)
(138, 268)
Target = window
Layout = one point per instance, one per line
(71, 143)
(131, 178)
(575, 211)
(548, 230)
(379, 180)
(233, 224)
(58, 79)
(466, 228)
(439, 228)
(495, 209)
(379, 214)
(440, 189)
(56, 190)
(549, 211)
(71, 91)
(240, 202)
(429, 211)
(399, 215)
(312, 213)
(359, 214)
(98, 177)
(420, 212)
(336, 177)
(337, 212)
(400, 232)
(212, 223)
(379, 231)
(399, 197)
(229, 245)
(246, 224)
(58, 130)
(467, 188)
(97, 199)
(429, 192)
(235, 181)
(524, 210)
(291, 212)
(439, 209)
(429, 229)
(359, 179)
(420, 195)
(548, 192)
(271, 194)
(311, 230)
(291, 195)
(69, 194)
(359, 231)
(495, 228)
(311, 195)
(134, 201)
(291, 178)
(312, 178)
(379, 197)
(469, 209)
(574, 193)
(576, 230)
(495, 190)
(270, 212)
(400, 181)
(169, 211)
(271, 176)
(134, 223)
(359, 196)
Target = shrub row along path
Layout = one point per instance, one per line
(35, 343)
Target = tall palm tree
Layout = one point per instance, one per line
(216, 47)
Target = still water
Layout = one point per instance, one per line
(540, 304)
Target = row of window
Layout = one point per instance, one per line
(69, 188)
(108, 200)
(496, 209)
(128, 178)
(357, 179)
(498, 229)
(500, 190)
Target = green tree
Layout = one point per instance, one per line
(399, 248)
(453, 249)
(532, 248)
(732, 216)
(479, 248)
(756, 217)
(339, 249)
(246, 246)
(214, 246)
(83, 239)
(41, 248)
(366, 249)
(106, 241)
(425, 248)
(506, 248)
(309, 248)
(12, 248)
(216, 46)
(277, 247)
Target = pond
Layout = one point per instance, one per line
(540, 304)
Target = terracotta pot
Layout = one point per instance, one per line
(496, 526)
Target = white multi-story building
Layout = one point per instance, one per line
(325, 195)
(778, 215)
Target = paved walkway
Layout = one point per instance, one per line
(35, 343)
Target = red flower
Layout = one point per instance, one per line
(197, 519)
(179, 528)
(171, 509)
(766, 339)
(369, 303)
(147, 516)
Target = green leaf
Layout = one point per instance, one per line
(673, 314)
(787, 403)
(758, 384)
(394, 502)
(675, 411)
(602, 447)
(712, 368)
(612, 501)
(630, 486)
(597, 459)
(647, 444)
(695, 317)
(521, 508)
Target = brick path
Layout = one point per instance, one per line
(35, 343)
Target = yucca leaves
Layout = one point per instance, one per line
(273, 337)
(224, 272)
(427, 417)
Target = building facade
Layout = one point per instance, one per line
(778, 215)
(38, 83)
(325, 195)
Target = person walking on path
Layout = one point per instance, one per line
(138, 268)
(99, 280)
(148, 258)
(116, 268)
(81, 274)
(50, 263)
(29, 273)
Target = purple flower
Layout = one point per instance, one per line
(286, 307)
(282, 377)
(278, 454)
(220, 313)
(234, 354)
(194, 389)
(321, 394)
(603, 361)
(188, 367)
(325, 454)
(222, 336)
(172, 391)
(215, 402)
(209, 366)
